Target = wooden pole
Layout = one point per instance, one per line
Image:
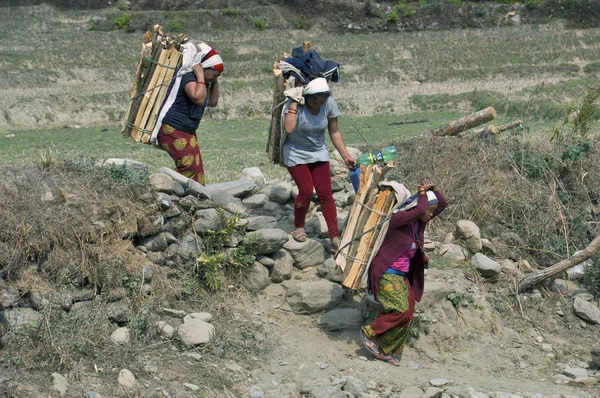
(498, 129)
(142, 66)
(365, 245)
(537, 276)
(465, 123)
(273, 143)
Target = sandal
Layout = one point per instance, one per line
(387, 358)
(370, 345)
(299, 235)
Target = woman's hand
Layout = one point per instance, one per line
(350, 162)
(199, 73)
(426, 185)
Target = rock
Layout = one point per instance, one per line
(121, 336)
(281, 192)
(195, 331)
(322, 391)
(411, 392)
(92, 394)
(163, 183)
(453, 251)
(283, 263)
(261, 222)
(237, 189)
(128, 164)
(268, 240)
(8, 296)
(202, 316)
(255, 175)
(164, 329)
(341, 319)
(191, 386)
(189, 247)
(469, 231)
(353, 386)
(256, 277)
(173, 312)
(305, 254)
(313, 296)
(256, 392)
(575, 372)
(228, 202)
(438, 382)
(195, 189)
(434, 392)
(487, 247)
(586, 311)
(330, 270)
(207, 220)
(59, 384)
(23, 318)
(508, 267)
(563, 286)
(126, 378)
(486, 267)
(255, 201)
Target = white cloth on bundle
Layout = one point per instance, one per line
(402, 194)
(193, 52)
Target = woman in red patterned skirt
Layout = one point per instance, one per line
(196, 89)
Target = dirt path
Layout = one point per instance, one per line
(305, 357)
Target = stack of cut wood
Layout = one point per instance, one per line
(370, 207)
(276, 136)
(159, 59)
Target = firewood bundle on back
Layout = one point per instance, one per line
(371, 206)
(159, 59)
(276, 135)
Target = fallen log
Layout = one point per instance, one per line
(498, 129)
(457, 126)
(537, 276)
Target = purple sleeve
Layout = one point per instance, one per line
(442, 203)
(406, 217)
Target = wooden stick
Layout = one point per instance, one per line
(154, 90)
(142, 66)
(366, 240)
(465, 123)
(537, 276)
(273, 143)
(172, 62)
(498, 129)
(347, 236)
(150, 89)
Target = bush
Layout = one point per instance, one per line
(260, 23)
(122, 22)
(231, 12)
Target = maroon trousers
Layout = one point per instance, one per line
(317, 175)
(183, 148)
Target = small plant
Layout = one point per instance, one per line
(122, 175)
(260, 24)
(122, 7)
(591, 277)
(231, 12)
(299, 23)
(409, 13)
(47, 158)
(174, 25)
(122, 22)
(392, 17)
(460, 299)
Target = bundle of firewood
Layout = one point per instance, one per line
(371, 206)
(160, 57)
(276, 136)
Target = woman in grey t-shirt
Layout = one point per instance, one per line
(306, 157)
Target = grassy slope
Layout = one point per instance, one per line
(61, 80)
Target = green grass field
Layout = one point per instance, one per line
(68, 89)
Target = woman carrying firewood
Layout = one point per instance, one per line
(308, 112)
(396, 275)
(197, 87)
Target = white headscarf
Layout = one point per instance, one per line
(316, 86)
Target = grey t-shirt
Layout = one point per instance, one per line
(307, 143)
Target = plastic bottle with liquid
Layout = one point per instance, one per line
(384, 155)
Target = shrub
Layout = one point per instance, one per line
(231, 12)
(260, 23)
(122, 22)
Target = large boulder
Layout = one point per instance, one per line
(306, 254)
(469, 231)
(309, 297)
(267, 240)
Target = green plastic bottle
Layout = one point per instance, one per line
(384, 155)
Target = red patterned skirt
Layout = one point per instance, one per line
(183, 148)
